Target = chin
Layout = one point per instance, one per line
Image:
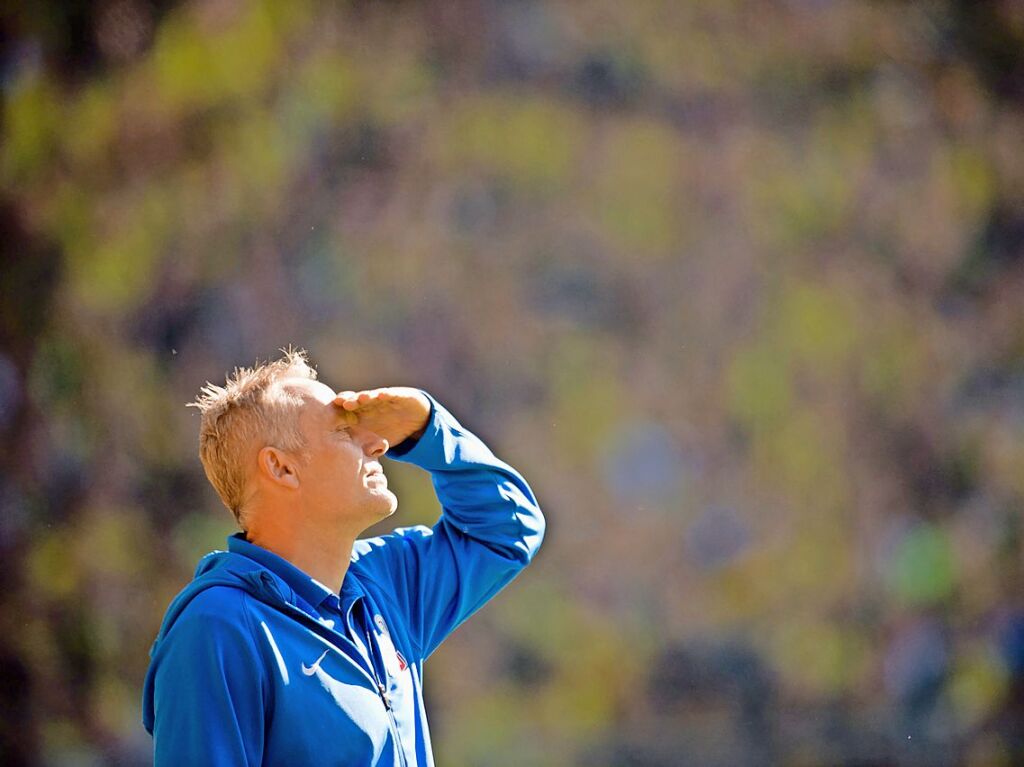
(387, 505)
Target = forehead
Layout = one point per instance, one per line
(317, 407)
(314, 392)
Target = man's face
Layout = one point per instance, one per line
(342, 473)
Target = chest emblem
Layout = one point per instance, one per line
(310, 670)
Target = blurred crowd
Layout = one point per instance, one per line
(738, 286)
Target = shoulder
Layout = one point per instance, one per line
(217, 603)
(209, 660)
(214, 614)
(214, 632)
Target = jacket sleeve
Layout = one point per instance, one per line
(490, 528)
(208, 688)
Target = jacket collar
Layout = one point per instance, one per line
(306, 587)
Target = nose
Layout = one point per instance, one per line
(374, 445)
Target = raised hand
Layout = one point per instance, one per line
(395, 412)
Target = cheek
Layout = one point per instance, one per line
(349, 461)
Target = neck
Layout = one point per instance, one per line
(317, 553)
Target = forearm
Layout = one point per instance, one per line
(481, 496)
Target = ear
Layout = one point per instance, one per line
(278, 467)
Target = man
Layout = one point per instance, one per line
(300, 644)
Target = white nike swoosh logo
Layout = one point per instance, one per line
(310, 670)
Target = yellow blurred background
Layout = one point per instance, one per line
(738, 286)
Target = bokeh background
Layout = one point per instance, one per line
(738, 285)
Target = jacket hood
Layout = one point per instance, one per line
(218, 568)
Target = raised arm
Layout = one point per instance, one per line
(490, 528)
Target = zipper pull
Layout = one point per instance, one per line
(384, 696)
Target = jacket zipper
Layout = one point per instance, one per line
(381, 689)
(394, 724)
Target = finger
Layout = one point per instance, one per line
(368, 396)
(342, 397)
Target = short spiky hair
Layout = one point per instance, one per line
(244, 415)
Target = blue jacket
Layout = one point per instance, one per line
(249, 667)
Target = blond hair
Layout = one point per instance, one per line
(245, 414)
